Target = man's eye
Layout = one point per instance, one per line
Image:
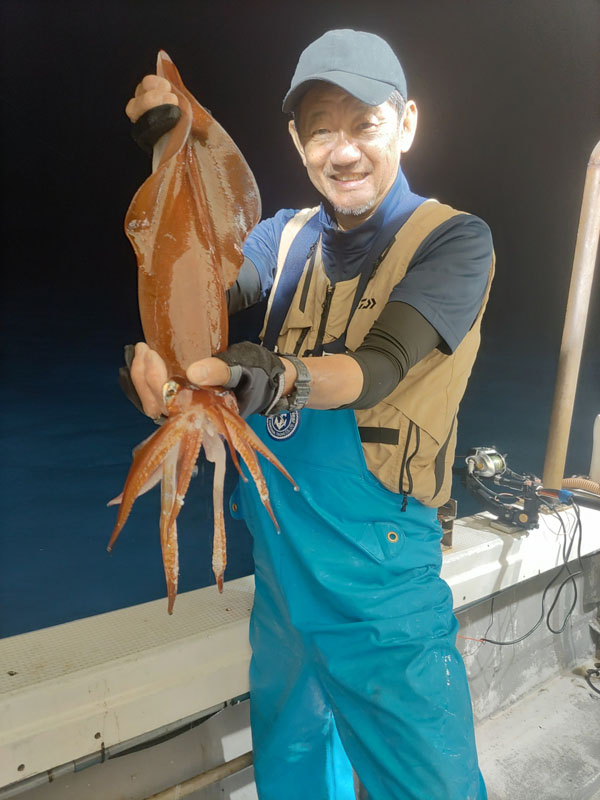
(367, 126)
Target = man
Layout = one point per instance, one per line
(376, 299)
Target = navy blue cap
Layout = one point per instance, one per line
(362, 64)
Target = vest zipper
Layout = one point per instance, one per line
(300, 341)
(411, 425)
(406, 459)
(312, 253)
(410, 458)
(324, 318)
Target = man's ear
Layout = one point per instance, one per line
(296, 140)
(408, 126)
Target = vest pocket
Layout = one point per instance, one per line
(409, 466)
(418, 473)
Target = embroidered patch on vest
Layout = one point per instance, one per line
(282, 426)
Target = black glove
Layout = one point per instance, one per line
(153, 124)
(257, 377)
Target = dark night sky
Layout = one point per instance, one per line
(508, 94)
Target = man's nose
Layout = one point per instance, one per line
(344, 151)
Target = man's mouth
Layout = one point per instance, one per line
(351, 178)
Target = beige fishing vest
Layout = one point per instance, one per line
(408, 438)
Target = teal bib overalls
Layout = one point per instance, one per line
(352, 631)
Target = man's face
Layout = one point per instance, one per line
(350, 150)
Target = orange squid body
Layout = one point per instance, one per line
(187, 224)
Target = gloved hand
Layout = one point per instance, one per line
(152, 125)
(257, 377)
(154, 110)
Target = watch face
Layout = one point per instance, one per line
(282, 426)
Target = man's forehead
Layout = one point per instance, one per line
(322, 96)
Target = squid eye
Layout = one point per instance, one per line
(169, 391)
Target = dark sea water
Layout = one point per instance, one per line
(507, 138)
(66, 437)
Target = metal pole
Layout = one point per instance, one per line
(186, 788)
(574, 329)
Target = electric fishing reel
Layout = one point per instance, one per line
(513, 497)
(516, 499)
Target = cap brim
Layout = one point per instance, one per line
(367, 90)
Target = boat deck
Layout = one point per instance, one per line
(75, 696)
(546, 746)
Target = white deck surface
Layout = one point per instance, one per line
(68, 691)
(546, 747)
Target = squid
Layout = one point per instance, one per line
(187, 224)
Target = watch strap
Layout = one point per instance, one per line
(299, 395)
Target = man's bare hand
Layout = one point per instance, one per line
(151, 92)
(208, 372)
(149, 375)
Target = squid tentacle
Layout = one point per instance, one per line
(190, 449)
(251, 461)
(224, 430)
(145, 461)
(235, 422)
(168, 529)
(215, 452)
(153, 479)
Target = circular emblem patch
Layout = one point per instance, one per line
(284, 425)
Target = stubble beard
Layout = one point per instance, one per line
(356, 211)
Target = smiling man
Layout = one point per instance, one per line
(375, 304)
(351, 150)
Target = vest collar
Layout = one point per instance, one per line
(345, 253)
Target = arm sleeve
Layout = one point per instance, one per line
(262, 246)
(400, 338)
(260, 264)
(448, 277)
(245, 292)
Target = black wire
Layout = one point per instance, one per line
(525, 635)
(487, 630)
(580, 532)
(493, 496)
(483, 639)
(588, 679)
(570, 577)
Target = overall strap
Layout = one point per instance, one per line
(339, 344)
(381, 246)
(289, 275)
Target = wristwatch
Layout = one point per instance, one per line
(298, 397)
